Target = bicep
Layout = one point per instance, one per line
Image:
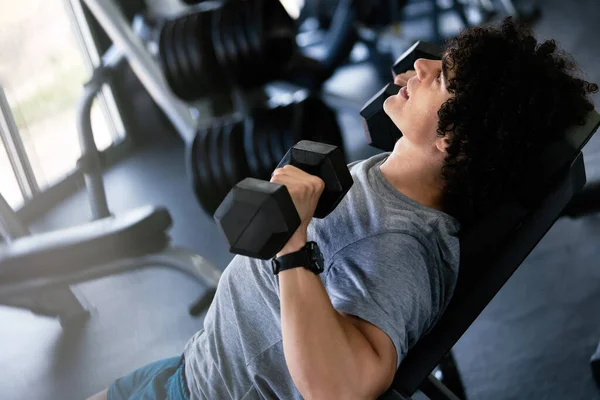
(382, 287)
(378, 354)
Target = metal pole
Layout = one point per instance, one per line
(15, 150)
(89, 162)
(117, 28)
(90, 156)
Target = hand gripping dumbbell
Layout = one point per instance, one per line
(380, 131)
(258, 217)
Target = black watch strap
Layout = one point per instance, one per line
(308, 257)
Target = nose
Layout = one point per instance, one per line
(422, 67)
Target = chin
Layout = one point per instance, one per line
(388, 105)
(392, 107)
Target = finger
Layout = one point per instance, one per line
(402, 79)
(279, 177)
(294, 171)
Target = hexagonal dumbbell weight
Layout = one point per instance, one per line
(259, 217)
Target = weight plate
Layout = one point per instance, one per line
(279, 34)
(214, 145)
(180, 47)
(265, 153)
(223, 158)
(217, 39)
(227, 159)
(193, 50)
(280, 145)
(167, 56)
(200, 171)
(211, 73)
(209, 182)
(172, 53)
(297, 117)
(233, 144)
(293, 135)
(277, 149)
(257, 18)
(243, 47)
(238, 140)
(249, 30)
(257, 140)
(249, 150)
(228, 37)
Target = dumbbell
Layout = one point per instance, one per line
(380, 131)
(258, 217)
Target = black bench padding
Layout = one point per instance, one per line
(133, 234)
(493, 249)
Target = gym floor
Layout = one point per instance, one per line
(533, 341)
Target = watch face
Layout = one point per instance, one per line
(316, 257)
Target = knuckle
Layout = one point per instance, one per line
(318, 182)
(276, 177)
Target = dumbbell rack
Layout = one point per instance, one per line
(116, 26)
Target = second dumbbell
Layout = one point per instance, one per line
(258, 217)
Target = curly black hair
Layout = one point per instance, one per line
(511, 97)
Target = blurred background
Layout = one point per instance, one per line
(209, 93)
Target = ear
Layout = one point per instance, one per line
(442, 143)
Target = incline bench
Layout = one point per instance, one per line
(491, 251)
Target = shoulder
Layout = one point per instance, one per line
(384, 248)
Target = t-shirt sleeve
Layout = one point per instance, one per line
(385, 280)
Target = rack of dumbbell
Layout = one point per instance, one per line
(237, 47)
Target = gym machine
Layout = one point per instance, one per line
(36, 271)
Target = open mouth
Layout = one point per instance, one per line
(404, 92)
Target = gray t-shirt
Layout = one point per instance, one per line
(388, 260)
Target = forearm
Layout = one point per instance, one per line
(322, 348)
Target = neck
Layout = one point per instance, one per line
(414, 175)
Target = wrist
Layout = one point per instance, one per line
(296, 242)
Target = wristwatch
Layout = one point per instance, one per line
(309, 257)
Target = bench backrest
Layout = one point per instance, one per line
(493, 249)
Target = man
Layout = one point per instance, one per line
(390, 249)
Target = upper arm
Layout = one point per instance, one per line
(381, 360)
(385, 284)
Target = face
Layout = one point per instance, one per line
(414, 109)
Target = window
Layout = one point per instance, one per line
(42, 70)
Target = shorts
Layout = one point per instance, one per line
(161, 380)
